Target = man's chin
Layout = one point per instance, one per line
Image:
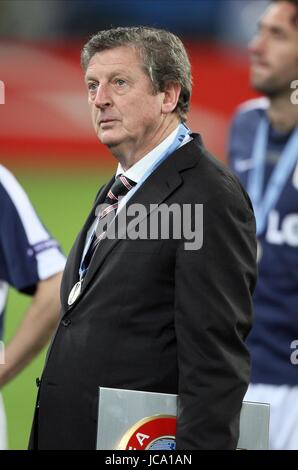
(261, 84)
(267, 89)
(106, 138)
(109, 141)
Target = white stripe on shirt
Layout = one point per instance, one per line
(3, 295)
(50, 261)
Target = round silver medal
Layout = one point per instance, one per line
(74, 293)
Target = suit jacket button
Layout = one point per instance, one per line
(37, 382)
(66, 322)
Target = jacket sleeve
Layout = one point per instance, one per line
(213, 313)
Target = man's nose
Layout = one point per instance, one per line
(103, 97)
(257, 44)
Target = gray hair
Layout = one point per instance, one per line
(162, 53)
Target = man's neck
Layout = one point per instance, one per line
(128, 157)
(283, 114)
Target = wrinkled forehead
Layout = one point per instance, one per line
(281, 15)
(126, 55)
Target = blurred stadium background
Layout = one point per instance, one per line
(46, 136)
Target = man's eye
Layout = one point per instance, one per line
(120, 82)
(279, 35)
(92, 86)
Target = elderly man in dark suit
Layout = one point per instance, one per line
(151, 310)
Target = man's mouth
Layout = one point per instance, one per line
(259, 63)
(106, 121)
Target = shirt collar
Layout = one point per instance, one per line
(136, 172)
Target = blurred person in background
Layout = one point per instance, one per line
(31, 262)
(263, 152)
(152, 314)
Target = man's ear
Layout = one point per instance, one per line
(171, 96)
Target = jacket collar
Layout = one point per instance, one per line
(155, 190)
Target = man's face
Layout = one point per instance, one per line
(125, 112)
(274, 51)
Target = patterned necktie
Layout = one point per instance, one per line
(119, 189)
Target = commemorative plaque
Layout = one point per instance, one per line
(137, 420)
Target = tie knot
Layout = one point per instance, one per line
(120, 187)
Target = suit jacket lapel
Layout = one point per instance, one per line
(156, 189)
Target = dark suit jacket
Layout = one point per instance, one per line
(154, 316)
